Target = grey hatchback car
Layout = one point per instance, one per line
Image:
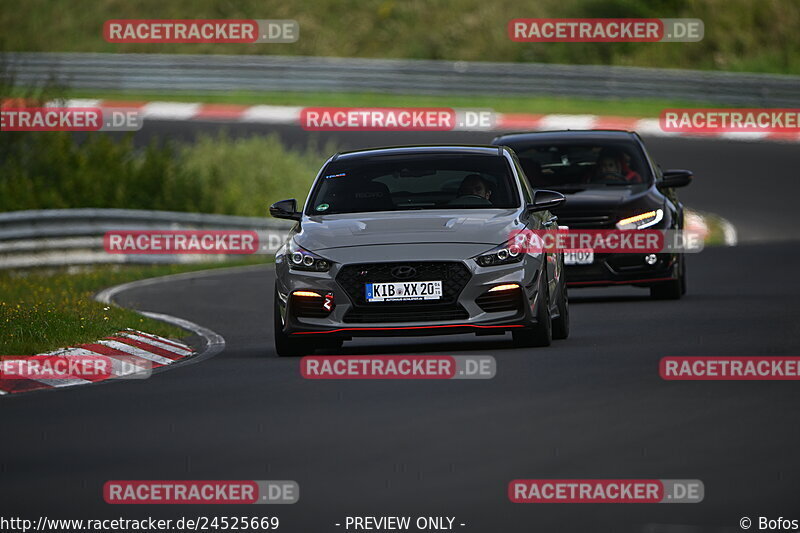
(416, 240)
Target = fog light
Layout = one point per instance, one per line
(307, 294)
(506, 287)
(650, 259)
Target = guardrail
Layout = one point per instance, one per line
(209, 73)
(55, 237)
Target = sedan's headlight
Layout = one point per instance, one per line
(500, 255)
(644, 220)
(299, 258)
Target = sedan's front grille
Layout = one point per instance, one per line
(406, 314)
(586, 220)
(453, 275)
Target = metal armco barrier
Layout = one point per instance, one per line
(208, 73)
(54, 237)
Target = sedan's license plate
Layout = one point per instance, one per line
(579, 257)
(404, 291)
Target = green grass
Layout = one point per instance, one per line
(214, 174)
(535, 104)
(45, 310)
(740, 35)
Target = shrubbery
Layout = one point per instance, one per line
(216, 174)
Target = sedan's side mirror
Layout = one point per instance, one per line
(675, 178)
(285, 209)
(544, 200)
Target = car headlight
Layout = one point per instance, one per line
(644, 220)
(501, 255)
(299, 258)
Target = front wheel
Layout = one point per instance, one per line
(672, 289)
(540, 334)
(561, 324)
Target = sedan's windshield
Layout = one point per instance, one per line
(425, 181)
(574, 166)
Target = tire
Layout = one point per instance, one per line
(683, 276)
(541, 333)
(561, 324)
(285, 346)
(672, 289)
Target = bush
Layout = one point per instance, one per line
(214, 175)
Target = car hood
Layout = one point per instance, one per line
(489, 227)
(609, 200)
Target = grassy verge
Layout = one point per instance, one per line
(536, 104)
(45, 310)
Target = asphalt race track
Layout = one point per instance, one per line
(592, 406)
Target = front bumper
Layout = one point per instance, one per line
(622, 269)
(350, 318)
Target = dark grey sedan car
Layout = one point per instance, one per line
(417, 240)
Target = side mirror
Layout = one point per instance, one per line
(675, 178)
(285, 209)
(544, 200)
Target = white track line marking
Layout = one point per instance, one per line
(170, 110)
(132, 350)
(165, 340)
(62, 382)
(70, 352)
(166, 347)
(271, 114)
(567, 122)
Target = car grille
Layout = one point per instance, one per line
(453, 275)
(406, 314)
(586, 220)
(493, 302)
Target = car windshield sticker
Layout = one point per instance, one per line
(336, 175)
(322, 207)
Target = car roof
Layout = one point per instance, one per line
(420, 149)
(566, 135)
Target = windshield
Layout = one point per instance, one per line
(571, 166)
(424, 181)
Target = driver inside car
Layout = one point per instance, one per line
(475, 185)
(612, 166)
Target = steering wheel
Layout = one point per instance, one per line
(613, 176)
(470, 199)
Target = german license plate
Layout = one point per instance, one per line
(579, 257)
(403, 291)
